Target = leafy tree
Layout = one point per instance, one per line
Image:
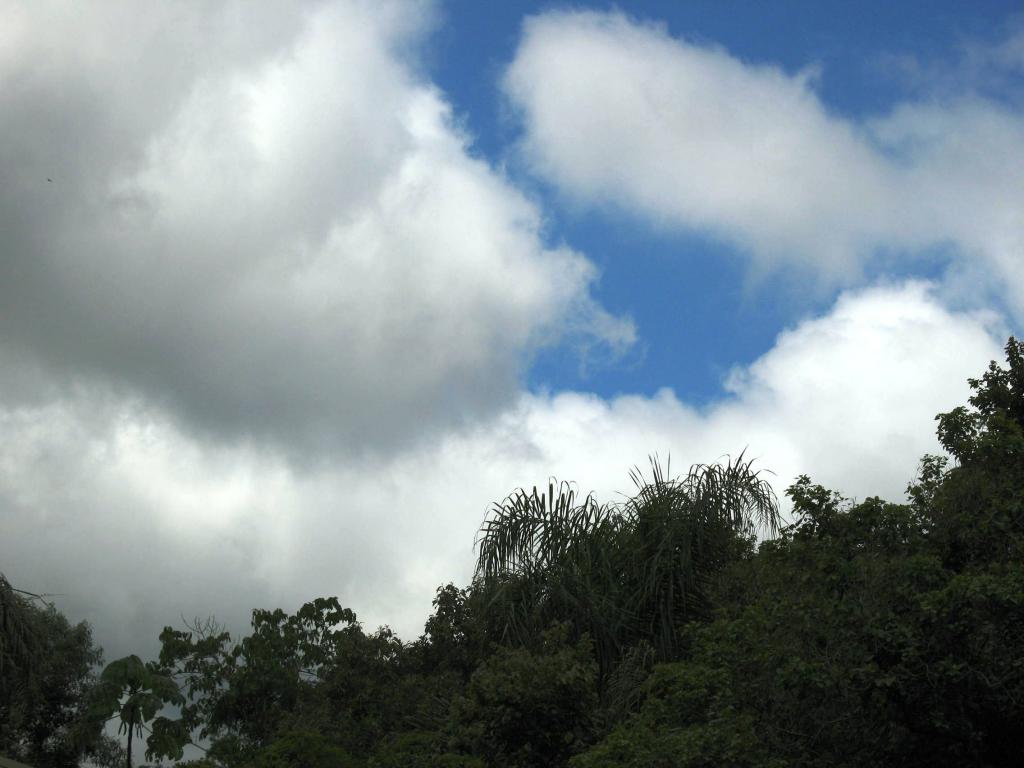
(419, 749)
(681, 724)
(238, 695)
(108, 752)
(810, 661)
(528, 708)
(134, 692)
(303, 749)
(869, 634)
(314, 671)
(454, 638)
(979, 509)
(44, 680)
(19, 652)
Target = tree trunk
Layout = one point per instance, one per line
(131, 728)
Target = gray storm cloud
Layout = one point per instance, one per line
(261, 219)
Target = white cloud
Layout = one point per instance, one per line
(263, 220)
(138, 523)
(262, 223)
(618, 112)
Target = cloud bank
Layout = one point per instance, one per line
(137, 522)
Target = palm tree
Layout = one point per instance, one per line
(625, 573)
(680, 532)
(551, 557)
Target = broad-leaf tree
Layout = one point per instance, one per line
(46, 674)
(134, 692)
(868, 634)
(315, 670)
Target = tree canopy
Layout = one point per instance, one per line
(47, 675)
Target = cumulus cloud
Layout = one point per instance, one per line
(619, 112)
(137, 523)
(243, 243)
(262, 220)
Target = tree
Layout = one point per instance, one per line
(419, 749)
(134, 692)
(979, 509)
(19, 652)
(869, 634)
(46, 673)
(528, 708)
(303, 749)
(312, 672)
(620, 573)
(453, 640)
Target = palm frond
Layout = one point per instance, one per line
(625, 573)
(528, 531)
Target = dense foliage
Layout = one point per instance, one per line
(682, 627)
(46, 681)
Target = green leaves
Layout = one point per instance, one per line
(680, 532)
(621, 573)
(529, 708)
(168, 739)
(992, 429)
(46, 674)
(530, 532)
(15, 631)
(303, 749)
(869, 634)
(134, 692)
(314, 669)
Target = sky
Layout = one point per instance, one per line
(290, 293)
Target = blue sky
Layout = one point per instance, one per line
(291, 292)
(697, 311)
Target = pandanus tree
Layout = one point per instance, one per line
(623, 573)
